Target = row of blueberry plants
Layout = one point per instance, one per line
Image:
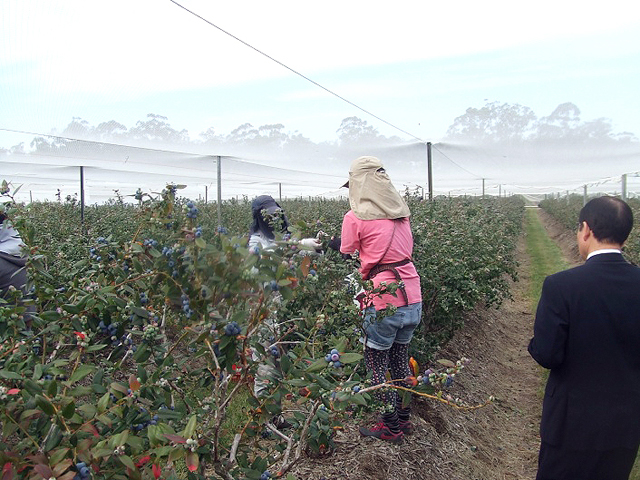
(566, 210)
(149, 322)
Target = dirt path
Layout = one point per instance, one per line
(498, 442)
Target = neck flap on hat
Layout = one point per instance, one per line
(372, 196)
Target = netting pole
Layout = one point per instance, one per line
(429, 174)
(219, 190)
(206, 194)
(81, 197)
(280, 192)
(584, 196)
(624, 187)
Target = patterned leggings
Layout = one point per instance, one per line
(396, 361)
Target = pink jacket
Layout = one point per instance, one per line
(371, 239)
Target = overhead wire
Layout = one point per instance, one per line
(296, 72)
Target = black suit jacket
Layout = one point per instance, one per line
(587, 332)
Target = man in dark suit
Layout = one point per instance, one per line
(587, 332)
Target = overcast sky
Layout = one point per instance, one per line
(415, 64)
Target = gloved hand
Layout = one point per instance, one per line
(334, 243)
(311, 243)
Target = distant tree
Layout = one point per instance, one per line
(157, 129)
(493, 123)
(110, 131)
(355, 131)
(78, 128)
(563, 122)
(242, 135)
(271, 136)
(209, 137)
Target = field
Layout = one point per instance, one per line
(151, 320)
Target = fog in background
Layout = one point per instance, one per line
(498, 149)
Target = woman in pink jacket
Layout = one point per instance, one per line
(378, 228)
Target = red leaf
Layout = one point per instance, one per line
(192, 461)
(89, 428)
(143, 461)
(134, 384)
(44, 470)
(157, 471)
(175, 438)
(7, 471)
(13, 391)
(80, 335)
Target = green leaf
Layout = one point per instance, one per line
(88, 410)
(10, 375)
(50, 316)
(142, 353)
(127, 462)
(29, 413)
(52, 389)
(71, 308)
(69, 410)
(200, 243)
(141, 312)
(54, 439)
(358, 399)
(45, 405)
(191, 427)
(103, 403)
(350, 357)
(318, 365)
(57, 456)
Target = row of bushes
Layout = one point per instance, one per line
(566, 211)
(152, 320)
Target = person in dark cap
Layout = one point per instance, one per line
(269, 217)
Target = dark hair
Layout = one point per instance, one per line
(609, 218)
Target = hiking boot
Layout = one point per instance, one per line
(381, 431)
(406, 427)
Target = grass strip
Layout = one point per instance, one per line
(546, 257)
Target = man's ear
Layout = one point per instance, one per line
(585, 231)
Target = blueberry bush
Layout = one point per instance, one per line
(566, 210)
(145, 325)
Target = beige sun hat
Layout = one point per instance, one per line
(371, 194)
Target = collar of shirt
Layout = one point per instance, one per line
(603, 250)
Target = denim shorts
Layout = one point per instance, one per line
(397, 328)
